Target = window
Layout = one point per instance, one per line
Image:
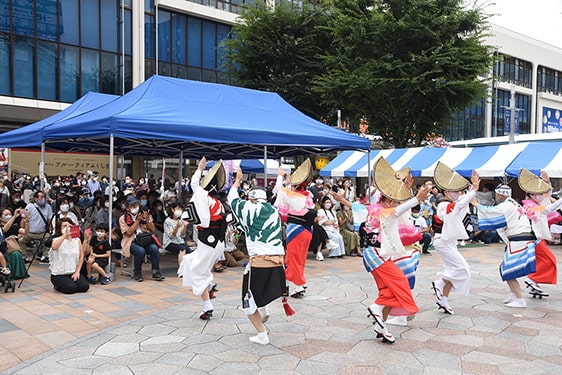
(549, 81)
(46, 19)
(209, 45)
(467, 124)
(149, 37)
(500, 101)
(23, 60)
(109, 26)
(194, 41)
(179, 39)
(516, 71)
(47, 57)
(69, 73)
(68, 27)
(109, 73)
(5, 15)
(163, 36)
(5, 66)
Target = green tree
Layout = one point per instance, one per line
(405, 65)
(279, 50)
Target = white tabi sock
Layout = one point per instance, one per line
(261, 338)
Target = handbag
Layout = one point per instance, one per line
(12, 244)
(144, 239)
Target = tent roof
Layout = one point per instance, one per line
(538, 157)
(163, 115)
(489, 161)
(30, 135)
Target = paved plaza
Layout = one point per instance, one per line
(153, 327)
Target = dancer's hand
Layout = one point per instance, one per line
(202, 164)
(475, 180)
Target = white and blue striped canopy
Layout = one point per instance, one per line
(489, 161)
(537, 157)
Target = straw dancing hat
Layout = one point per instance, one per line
(449, 180)
(302, 174)
(531, 183)
(391, 183)
(215, 176)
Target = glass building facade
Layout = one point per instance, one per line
(500, 100)
(184, 46)
(58, 50)
(467, 124)
(471, 122)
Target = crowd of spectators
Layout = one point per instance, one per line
(31, 211)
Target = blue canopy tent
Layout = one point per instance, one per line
(31, 135)
(165, 116)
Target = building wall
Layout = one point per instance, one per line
(530, 96)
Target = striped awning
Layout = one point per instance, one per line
(538, 157)
(489, 161)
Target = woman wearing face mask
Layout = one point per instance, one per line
(102, 215)
(159, 214)
(14, 225)
(64, 211)
(448, 228)
(66, 259)
(329, 221)
(174, 233)
(384, 258)
(541, 212)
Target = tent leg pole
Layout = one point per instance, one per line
(180, 177)
(111, 176)
(265, 167)
(369, 175)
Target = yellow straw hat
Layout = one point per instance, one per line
(531, 183)
(390, 182)
(447, 179)
(215, 175)
(302, 174)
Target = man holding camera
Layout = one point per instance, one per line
(40, 214)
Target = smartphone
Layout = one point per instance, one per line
(75, 231)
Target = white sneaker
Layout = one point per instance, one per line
(319, 256)
(510, 298)
(463, 243)
(401, 321)
(518, 302)
(260, 338)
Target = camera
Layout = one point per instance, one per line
(143, 209)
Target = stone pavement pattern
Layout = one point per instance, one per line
(153, 328)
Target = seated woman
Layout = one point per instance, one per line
(329, 222)
(347, 231)
(174, 233)
(12, 226)
(66, 258)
